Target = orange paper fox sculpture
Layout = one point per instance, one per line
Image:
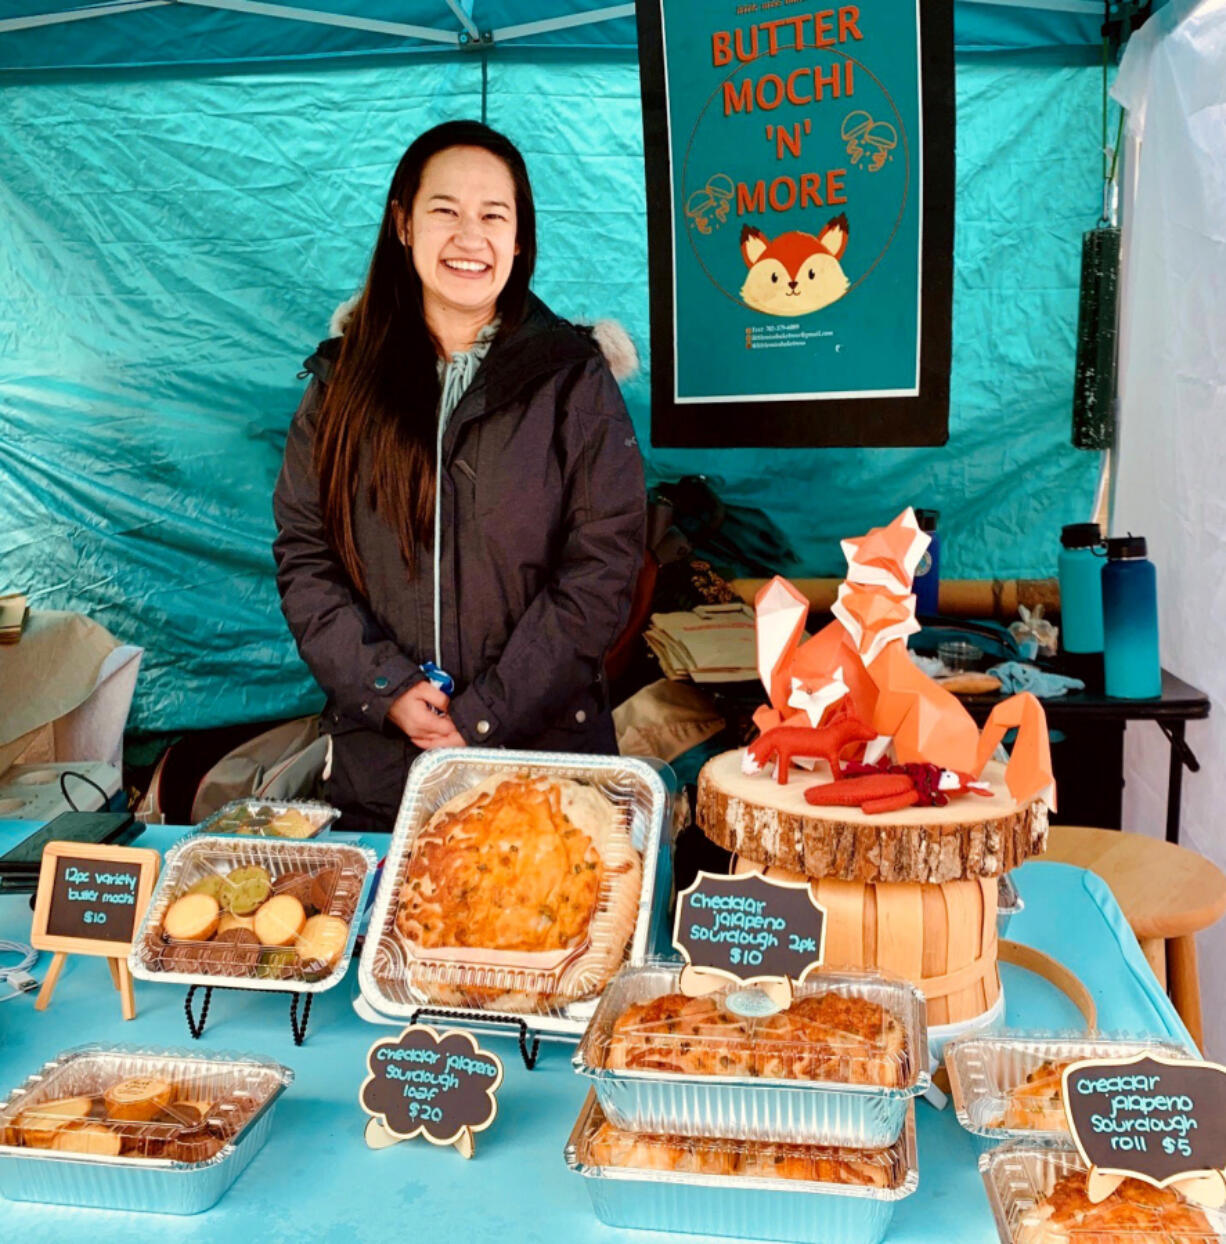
(860, 663)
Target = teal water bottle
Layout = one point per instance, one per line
(1130, 621)
(1081, 587)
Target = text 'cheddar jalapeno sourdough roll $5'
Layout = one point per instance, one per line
(519, 875)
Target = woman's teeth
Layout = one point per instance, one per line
(465, 265)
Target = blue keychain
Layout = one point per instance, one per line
(440, 678)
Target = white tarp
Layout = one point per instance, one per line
(1172, 468)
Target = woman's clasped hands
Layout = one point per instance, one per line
(421, 712)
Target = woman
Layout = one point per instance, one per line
(512, 576)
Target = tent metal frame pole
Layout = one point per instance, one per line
(464, 18)
(399, 30)
(78, 15)
(526, 29)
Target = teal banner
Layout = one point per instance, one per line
(800, 193)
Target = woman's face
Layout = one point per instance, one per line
(461, 233)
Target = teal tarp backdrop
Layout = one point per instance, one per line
(172, 243)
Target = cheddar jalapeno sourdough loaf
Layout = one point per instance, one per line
(520, 893)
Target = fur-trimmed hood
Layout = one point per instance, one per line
(614, 341)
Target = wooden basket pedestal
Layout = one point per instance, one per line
(912, 892)
(942, 937)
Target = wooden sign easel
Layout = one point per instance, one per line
(90, 901)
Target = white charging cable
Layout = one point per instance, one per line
(18, 977)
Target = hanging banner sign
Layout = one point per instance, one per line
(800, 210)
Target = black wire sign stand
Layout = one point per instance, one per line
(298, 1023)
(529, 1044)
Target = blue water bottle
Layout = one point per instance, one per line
(1130, 621)
(1081, 587)
(927, 582)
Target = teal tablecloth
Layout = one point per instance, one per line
(317, 1180)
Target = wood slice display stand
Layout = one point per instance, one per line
(912, 893)
(754, 816)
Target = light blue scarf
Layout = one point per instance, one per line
(455, 375)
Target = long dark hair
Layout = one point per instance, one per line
(383, 392)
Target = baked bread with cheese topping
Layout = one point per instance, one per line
(1135, 1213)
(519, 893)
(826, 1036)
(611, 1146)
(1037, 1104)
(684, 1036)
(830, 1036)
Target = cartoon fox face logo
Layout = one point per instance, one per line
(797, 273)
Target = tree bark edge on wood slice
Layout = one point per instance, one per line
(820, 844)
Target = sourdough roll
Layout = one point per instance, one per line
(1135, 1213)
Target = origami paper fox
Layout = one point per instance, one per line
(859, 661)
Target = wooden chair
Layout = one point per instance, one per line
(1168, 894)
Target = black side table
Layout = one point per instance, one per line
(1094, 723)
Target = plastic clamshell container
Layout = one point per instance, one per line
(133, 1180)
(257, 818)
(397, 981)
(724, 1193)
(1021, 1174)
(772, 1104)
(199, 856)
(1008, 904)
(984, 1071)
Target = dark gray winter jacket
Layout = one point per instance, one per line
(543, 514)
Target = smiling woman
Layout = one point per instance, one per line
(461, 234)
(461, 509)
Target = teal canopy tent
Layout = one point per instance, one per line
(126, 33)
(190, 186)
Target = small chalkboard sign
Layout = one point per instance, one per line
(749, 928)
(425, 1083)
(90, 901)
(1152, 1118)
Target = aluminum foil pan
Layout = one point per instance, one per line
(756, 1208)
(817, 1112)
(1021, 1174)
(199, 856)
(256, 818)
(139, 1183)
(631, 785)
(1008, 903)
(985, 1070)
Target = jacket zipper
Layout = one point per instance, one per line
(438, 544)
